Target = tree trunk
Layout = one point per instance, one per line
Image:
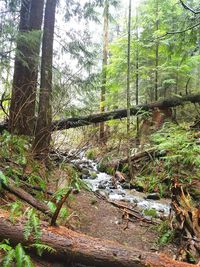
(137, 74)
(128, 95)
(157, 53)
(104, 70)
(43, 133)
(22, 108)
(72, 247)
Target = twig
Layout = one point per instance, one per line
(59, 206)
(182, 31)
(189, 8)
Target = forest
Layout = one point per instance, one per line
(99, 133)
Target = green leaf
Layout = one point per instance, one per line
(3, 178)
(19, 255)
(9, 258)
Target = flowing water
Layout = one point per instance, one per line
(103, 184)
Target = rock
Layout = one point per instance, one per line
(112, 187)
(119, 177)
(85, 171)
(127, 186)
(93, 175)
(83, 176)
(102, 186)
(153, 196)
(75, 191)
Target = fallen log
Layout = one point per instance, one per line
(144, 155)
(72, 247)
(122, 113)
(117, 114)
(20, 193)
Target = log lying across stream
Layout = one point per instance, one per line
(117, 114)
(122, 113)
(72, 247)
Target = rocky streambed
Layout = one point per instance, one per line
(119, 189)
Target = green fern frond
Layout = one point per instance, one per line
(9, 258)
(42, 247)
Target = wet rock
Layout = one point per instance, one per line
(112, 187)
(102, 186)
(153, 196)
(93, 175)
(83, 176)
(75, 191)
(138, 188)
(127, 186)
(85, 171)
(119, 177)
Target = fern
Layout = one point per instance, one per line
(19, 255)
(15, 255)
(42, 247)
(9, 258)
(15, 210)
(27, 261)
(32, 225)
(4, 246)
(3, 179)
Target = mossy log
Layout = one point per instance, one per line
(72, 247)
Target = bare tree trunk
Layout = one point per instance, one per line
(43, 127)
(137, 75)
(157, 54)
(128, 94)
(104, 70)
(22, 108)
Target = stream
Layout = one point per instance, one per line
(103, 184)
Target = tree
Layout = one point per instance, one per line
(43, 128)
(104, 66)
(128, 92)
(22, 108)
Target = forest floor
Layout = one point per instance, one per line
(99, 218)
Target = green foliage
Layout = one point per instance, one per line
(32, 226)
(15, 210)
(42, 248)
(3, 179)
(14, 147)
(180, 145)
(15, 255)
(166, 234)
(150, 212)
(92, 153)
(182, 160)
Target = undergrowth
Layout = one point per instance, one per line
(181, 162)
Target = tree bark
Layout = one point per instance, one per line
(43, 133)
(19, 192)
(156, 53)
(104, 70)
(128, 95)
(22, 108)
(144, 155)
(122, 113)
(72, 247)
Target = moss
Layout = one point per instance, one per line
(92, 153)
